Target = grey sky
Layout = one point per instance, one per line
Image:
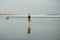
(29, 6)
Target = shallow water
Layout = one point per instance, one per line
(16, 29)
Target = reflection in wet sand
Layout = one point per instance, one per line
(29, 30)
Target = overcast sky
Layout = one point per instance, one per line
(29, 6)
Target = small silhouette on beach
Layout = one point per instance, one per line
(29, 20)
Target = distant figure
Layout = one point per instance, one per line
(29, 18)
